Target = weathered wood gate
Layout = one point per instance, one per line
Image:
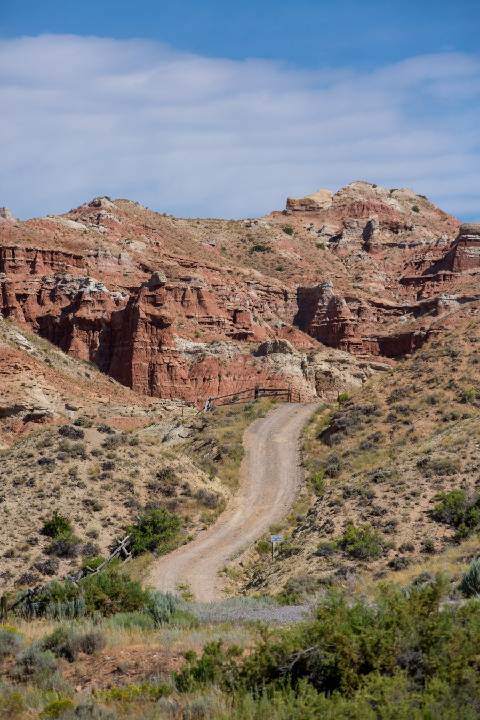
(243, 396)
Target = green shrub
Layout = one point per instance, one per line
(321, 246)
(316, 483)
(470, 584)
(260, 248)
(132, 621)
(402, 656)
(69, 644)
(162, 607)
(11, 640)
(132, 692)
(456, 509)
(83, 422)
(438, 466)
(263, 547)
(156, 531)
(167, 474)
(34, 663)
(57, 525)
(287, 230)
(112, 591)
(109, 592)
(416, 209)
(363, 543)
(333, 466)
(93, 563)
(56, 709)
(64, 545)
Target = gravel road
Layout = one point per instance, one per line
(280, 615)
(270, 475)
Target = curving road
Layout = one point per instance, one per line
(270, 476)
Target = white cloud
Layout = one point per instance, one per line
(193, 136)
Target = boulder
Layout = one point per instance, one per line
(158, 279)
(278, 345)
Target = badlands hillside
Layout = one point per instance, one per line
(116, 324)
(112, 314)
(176, 308)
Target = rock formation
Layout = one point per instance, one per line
(190, 308)
(321, 200)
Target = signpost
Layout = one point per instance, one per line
(275, 539)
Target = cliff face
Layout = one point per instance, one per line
(350, 323)
(177, 308)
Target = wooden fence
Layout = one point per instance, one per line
(120, 551)
(243, 396)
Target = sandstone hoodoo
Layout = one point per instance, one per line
(183, 308)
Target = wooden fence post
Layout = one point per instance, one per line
(4, 609)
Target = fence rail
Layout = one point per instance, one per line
(120, 551)
(242, 396)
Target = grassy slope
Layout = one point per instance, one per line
(384, 455)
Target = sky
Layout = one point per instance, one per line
(209, 109)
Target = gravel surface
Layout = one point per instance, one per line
(280, 615)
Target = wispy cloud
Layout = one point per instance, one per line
(194, 136)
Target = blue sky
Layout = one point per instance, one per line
(209, 108)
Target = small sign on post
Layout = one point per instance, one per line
(275, 539)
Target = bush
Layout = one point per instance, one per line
(333, 466)
(260, 248)
(438, 466)
(457, 509)
(363, 543)
(407, 547)
(167, 474)
(71, 432)
(162, 607)
(316, 483)
(11, 640)
(83, 422)
(64, 545)
(112, 442)
(209, 499)
(428, 546)
(399, 563)
(470, 584)
(109, 592)
(155, 531)
(263, 547)
(57, 525)
(70, 644)
(57, 709)
(91, 549)
(93, 563)
(385, 659)
(112, 591)
(34, 663)
(287, 230)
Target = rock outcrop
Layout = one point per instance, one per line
(170, 308)
(321, 200)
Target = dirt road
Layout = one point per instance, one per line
(269, 480)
